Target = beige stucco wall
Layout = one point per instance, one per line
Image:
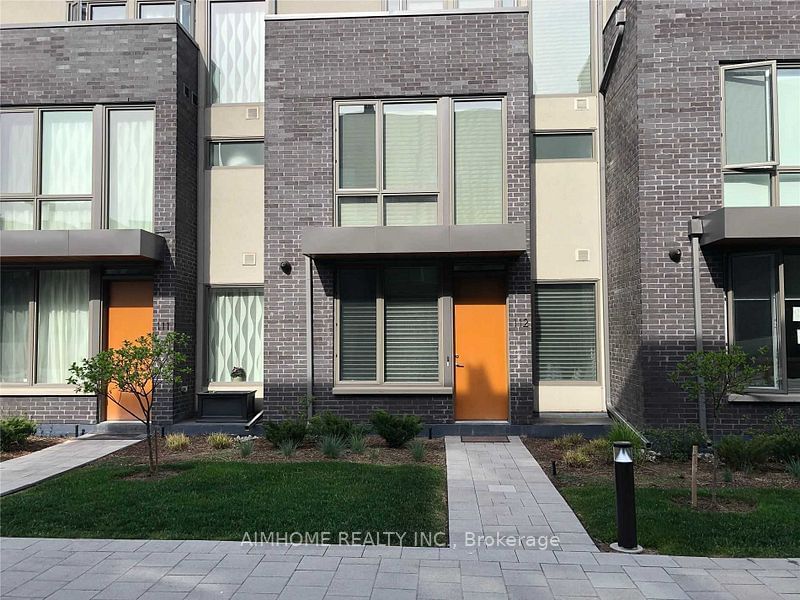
(570, 398)
(564, 112)
(32, 11)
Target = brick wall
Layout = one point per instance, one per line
(672, 100)
(51, 409)
(131, 63)
(376, 57)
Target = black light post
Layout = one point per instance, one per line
(626, 499)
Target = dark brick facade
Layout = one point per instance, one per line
(376, 57)
(663, 160)
(51, 409)
(129, 63)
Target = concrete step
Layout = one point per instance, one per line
(132, 428)
(547, 425)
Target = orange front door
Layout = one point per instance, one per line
(481, 349)
(129, 315)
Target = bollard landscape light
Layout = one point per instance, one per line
(626, 500)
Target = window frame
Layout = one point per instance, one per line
(93, 333)
(597, 334)
(449, 5)
(779, 298)
(560, 132)
(445, 191)
(379, 385)
(140, 3)
(774, 169)
(220, 140)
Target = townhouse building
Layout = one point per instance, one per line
(476, 211)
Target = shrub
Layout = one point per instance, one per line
(397, 430)
(288, 447)
(358, 443)
(329, 424)
(290, 429)
(600, 450)
(740, 454)
(676, 444)
(783, 446)
(245, 446)
(15, 430)
(220, 441)
(576, 458)
(177, 441)
(331, 446)
(793, 467)
(727, 475)
(620, 432)
(570, 440)
(418, 450)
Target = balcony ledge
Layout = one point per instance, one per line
(85, 245)
(739, 226)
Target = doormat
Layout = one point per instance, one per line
(484, 438)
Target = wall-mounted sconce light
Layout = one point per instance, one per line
(286, 267)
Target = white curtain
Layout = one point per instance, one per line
(67, 153)
(67, 214)
(15, 293)
(63, 335)
(235, 333)
(131, 169)
(16, 215)
(16, 152)
(561, 46)
(237, 52)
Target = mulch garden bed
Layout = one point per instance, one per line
(32, 444)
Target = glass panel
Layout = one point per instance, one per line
(475, 4)
(411, 210)
(746, 189)
(358, 339)
(63, 331)
(566, 332)
(748, 116)
(235, 333)
(111, 12)
(131, 177)
(67, 214)
(789, 189)
(563, 146)
(16, 153)
(162, 10)
(16, 290)
(67, 152)
(357, 146)
(411, 308)
(186, 14)
(789, 116)
(237, 52)
(791, 284)
(754, 311)
(479, 162)
(237, 154)
(558, 67)
(410, 146)
(16, 215)
(358, 211)
(425, 4)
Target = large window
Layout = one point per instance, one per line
(764, 303)
(101, 10)
(388, 325)
(563, 146)
(235, 333)
(49, 159)
(566, 332)
(236, 154)
(561, 46)
(237, 52)
(44, 324)
(390, 158)
(761, 140)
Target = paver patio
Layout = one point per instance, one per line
(480, 478)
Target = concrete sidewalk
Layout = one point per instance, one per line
(25, 471)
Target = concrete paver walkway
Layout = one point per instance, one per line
(22, 472)
(480, 481)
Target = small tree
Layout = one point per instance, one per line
(716, 374)
(137, 368)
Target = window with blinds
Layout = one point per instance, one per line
(560, 68)
(388, 325)
(566, 332)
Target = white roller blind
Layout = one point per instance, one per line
(358, 211)
(16, 289)
(411, 324)
(358, 340)
(566, 332)
(789, 116)
(235, 333)
(748, 115)
(561, 46)
(478, 162)
(357, 146)
(237, 52)
(411, 210)
(67, 153)
(410, 146)
(131, 169)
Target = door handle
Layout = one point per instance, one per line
(459, 365)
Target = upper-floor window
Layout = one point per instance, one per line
(101, 10)
(563, 146)
(421, 5)
(107, 12)
(420, 162)
(50, 160)
(244, 153)
(237, 52)
(761, 134)
(559, 67)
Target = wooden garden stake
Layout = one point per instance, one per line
(694, 476)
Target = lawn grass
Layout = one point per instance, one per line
(223, 500)
(771, 530)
